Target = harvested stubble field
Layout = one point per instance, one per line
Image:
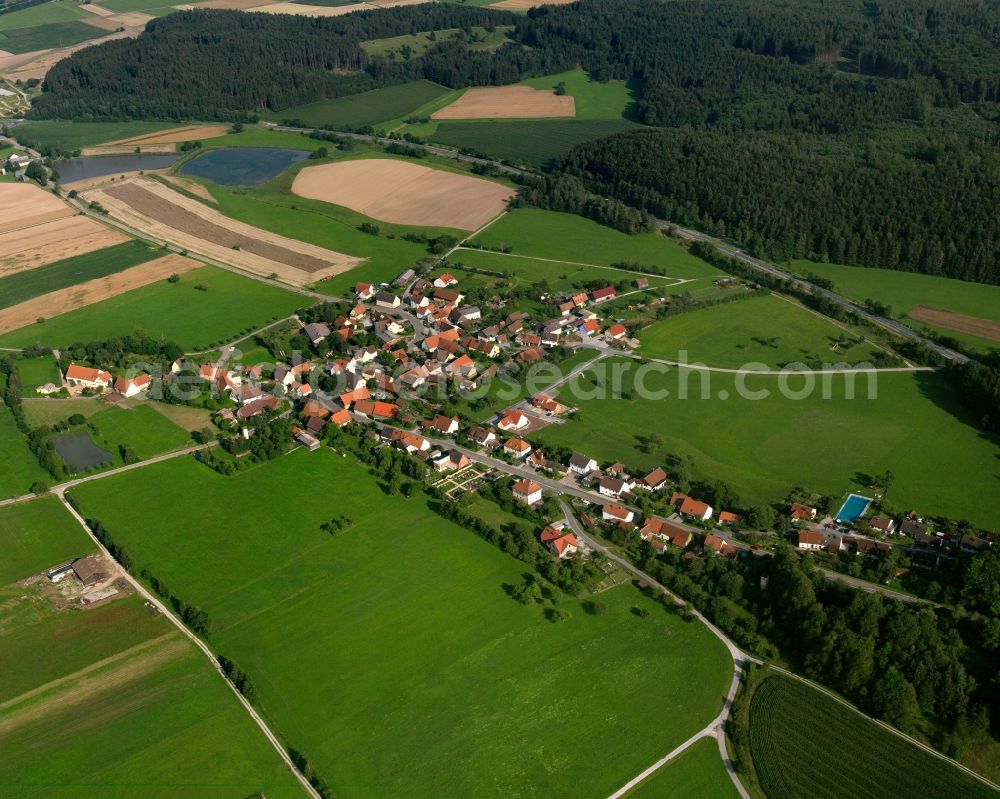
(168, 215)
(949, 320)
(23, 205)
(298, 10)
(508, 102)
(191, 187)
(404, 193)
(53, 241)
(175, 135)
(127, 149)
(79, 296)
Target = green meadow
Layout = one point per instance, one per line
(115, 702)
(904, 291)
(42, 37)
(31, 283)
(231, 306)
(764, 447)
(697, 773)
(37, 535)
(390, 652)
(74, 135)
(531, 143)
(156, 8)
(593, 99)
(366, 108)
(40, 411)
(37, 372)
(142, 428)
(763, 329)
(804, 743)
(18, 466)
(567, 237)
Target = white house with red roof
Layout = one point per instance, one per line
(603, 295)
(517, 447)
(527, 491)
(691, 508)
(616, 513)
(562, 544)
(86, 377)
(513, 420)
(130, 387)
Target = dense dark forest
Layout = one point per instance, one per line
(858, 131)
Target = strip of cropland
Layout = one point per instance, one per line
(26, 285)
(61, 239)
(804, 743)
(111, 700)
(386, 670)
(764, 444)
(204, 308)
(93, 291)
(162, 213)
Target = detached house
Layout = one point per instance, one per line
(616, 513)
(364, 291)
(581, 464)
(560, 543)
(386, 299)
(603, 295)
(527, 491)
(517, 447)
(132, 386)
(513, 420)
(810, 540)
(443, 424)
(802, 513)
(667, 533)
(654, 481)
(691, 508)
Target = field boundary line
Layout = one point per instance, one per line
(571, 263)
(899, 733)
(161, 607)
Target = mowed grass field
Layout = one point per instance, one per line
(18, 466)
(904, 291)
(805, 743)
(115, 702)
(75, 135)
(47, 411)
(231, 306)
(391, 652)
(31, 283)
(366, 108)
(142, 428)
(37, 535)
(762, 329)
(697, 773)
(762, 448)
(567, 237)
(37, 372)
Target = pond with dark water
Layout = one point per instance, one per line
(78, 450)
(85, 167)
(242, 166)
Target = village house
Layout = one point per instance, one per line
(581, 464)
(86, 377)
(268, 402)
(653, 481)
(517, 447)
(809, 540)
(484, 437)
(884, 524)
(612, 486)
(341, 417)
(720, 546)
(410, 442)
(615, 332)
(727, 517)
(616, 513)
(544, 402)
(445, 281)
(665, 532)
(513, 420)
(404, 277)
(802, 513)
(559, 542)
(376, 409)
(306, 439)
(466, 314)
(605, 294)
(364, 291)
(453, 459)
(131, 387)
(537, 460)
(527, 491)
(691, 508)
(388, 300)
(316, 332)
(448, 297)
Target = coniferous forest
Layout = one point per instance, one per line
(858, 131)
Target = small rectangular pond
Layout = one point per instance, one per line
(78, 450)
(242, 166)
(854, 508)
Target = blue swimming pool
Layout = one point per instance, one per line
(854, 507)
